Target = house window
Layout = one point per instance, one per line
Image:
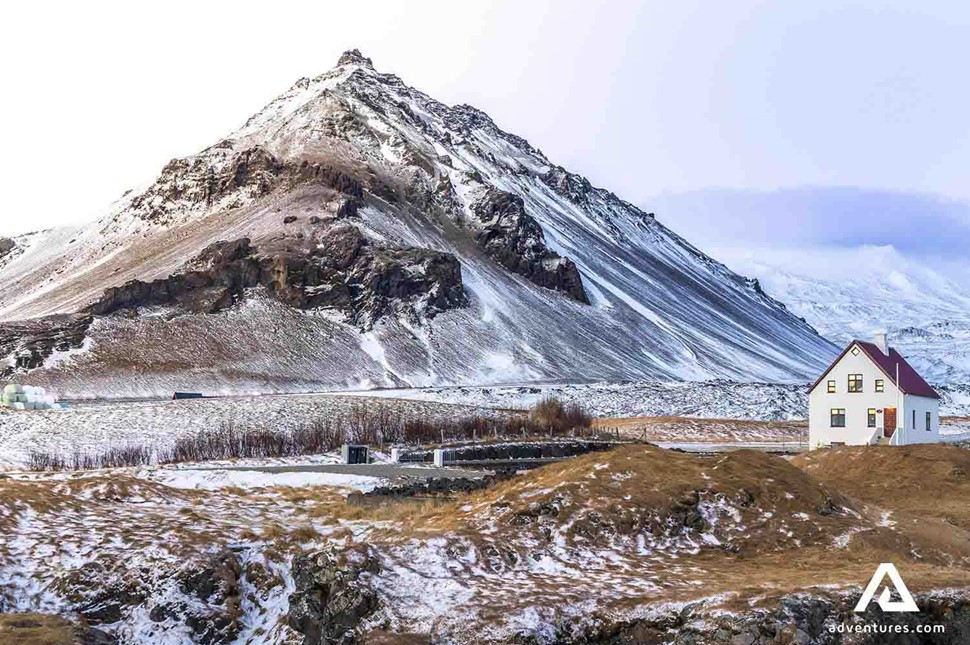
(837, 418)
(871, 415)
(830, 387)
(880, 385)
(914, 419)
(855, 350)
(855, 382)
(929, 420)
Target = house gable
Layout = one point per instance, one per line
(910, 380)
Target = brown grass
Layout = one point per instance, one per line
(703, 430)
(785, 542)
(35, 629)
(923, 488)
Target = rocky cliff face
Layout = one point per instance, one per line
(336, 268)
(330, 602)
(514, 239)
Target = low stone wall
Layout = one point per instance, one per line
(525, 450)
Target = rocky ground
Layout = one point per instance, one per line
(631, 546)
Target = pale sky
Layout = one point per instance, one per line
(643, 98)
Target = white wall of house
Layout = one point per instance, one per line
(857, 405)
(916, 408)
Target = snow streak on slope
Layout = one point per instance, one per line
(852, 293)
(659, 308)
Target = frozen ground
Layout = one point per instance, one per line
(93, 427)
(553, 555)
(715, 411)
(216, 478)
(716, 399)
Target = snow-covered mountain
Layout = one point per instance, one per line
(356, 232)
(853, 292)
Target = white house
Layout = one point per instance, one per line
(870, 394)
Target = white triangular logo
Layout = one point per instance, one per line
(885, 598)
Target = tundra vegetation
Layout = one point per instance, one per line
(373, 423)
(637, 544)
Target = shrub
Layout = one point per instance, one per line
(551, 416)
(365, 422)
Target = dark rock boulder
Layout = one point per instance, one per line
(514, 239)
(348, 208)
(101, 595)
(216, 584)
(330, 601)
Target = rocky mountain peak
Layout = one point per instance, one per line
(380, 207)
(354, 57)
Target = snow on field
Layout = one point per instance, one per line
(715, 399)
(94, 427)
(216, 478)
(955, 429)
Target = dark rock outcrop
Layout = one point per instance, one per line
(100, 596)
(803, 619)
(436, 486)
(330, 601)
(28, 343)
(216, 584)
(6, 246)
(210, 282)
(334, 269)
(221, 172)
(354, 57)
(514, 239)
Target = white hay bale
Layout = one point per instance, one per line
(13, 388)
(18, 405)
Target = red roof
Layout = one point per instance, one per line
(910, 382)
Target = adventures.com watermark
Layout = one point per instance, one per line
(904, 604)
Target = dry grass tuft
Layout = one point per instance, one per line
(35, 629)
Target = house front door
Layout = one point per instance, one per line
(889, 422)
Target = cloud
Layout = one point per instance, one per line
(915, 224)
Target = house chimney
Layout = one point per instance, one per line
(881, 343)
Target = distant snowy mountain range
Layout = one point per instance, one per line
(357, 233)
(852, 293)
